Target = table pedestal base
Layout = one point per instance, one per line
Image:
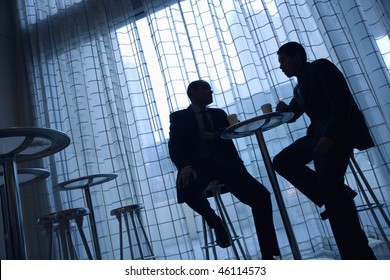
(278, 196)
(13, 220)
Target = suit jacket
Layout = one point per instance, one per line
(185, 137)
(323, 94)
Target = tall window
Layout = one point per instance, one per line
(108, 73)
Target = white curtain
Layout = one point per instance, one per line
(108, 73)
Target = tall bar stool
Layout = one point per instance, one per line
(369, 205)
(85, 183)
(136, 227)
(59, 227)
(215, 189)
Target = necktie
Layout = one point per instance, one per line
(212, 145)
(207, 123)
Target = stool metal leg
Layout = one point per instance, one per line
(215, 188)
(129, 235)
(59, 228)
(207, 231)
(137, 235)
(119, 217)
(148, 244)
(7, 243)
(214, 243)
(225, 217)
(353, 163)
(206, 248)
(79, 223)
(58, 239)
(127, 211)
(227, 222)
(63, 241)
(49, 228)
(51, 240)
(69, 242)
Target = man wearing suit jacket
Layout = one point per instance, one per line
(337, 127)
(202, 156)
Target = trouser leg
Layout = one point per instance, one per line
(198, 202)
(291, 163)
(252, 193)
(343, 217)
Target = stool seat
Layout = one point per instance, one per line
(65, 214)
(125, 209)
(60, 224)
(214, 186)
(136, 227)
(215, 189)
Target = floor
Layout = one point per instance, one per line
(382, 252)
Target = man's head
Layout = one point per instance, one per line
(291, 57)
(200, 93)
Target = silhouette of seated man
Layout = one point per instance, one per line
(337, 127)
(201, 156)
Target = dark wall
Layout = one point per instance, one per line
(8, 102)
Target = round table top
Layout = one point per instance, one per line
(250, 126)
(28, 175)
(29, 143)
(86, 181)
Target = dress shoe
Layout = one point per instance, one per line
(222, 235)
(268, 258)
(273, 255)
(324, 215)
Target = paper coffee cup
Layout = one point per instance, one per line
(266, 108)
(232, 119)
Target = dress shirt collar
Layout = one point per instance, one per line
(197, 109)
(198, 115)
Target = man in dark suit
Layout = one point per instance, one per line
(201, 156)
(337, 127)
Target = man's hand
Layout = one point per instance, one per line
(324, 145)
(281, 107)
(186, 175)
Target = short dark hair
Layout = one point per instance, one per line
(292, 48)
(194, 86)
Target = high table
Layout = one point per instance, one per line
(21, 144)
(25, 176)
(85, 183)
(257, 126)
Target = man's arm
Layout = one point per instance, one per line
(177, 151)
(176, 143)
(293, 106)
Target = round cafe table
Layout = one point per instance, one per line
(21, 144)
(25, 176)
(256, 126)
(85, 183)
